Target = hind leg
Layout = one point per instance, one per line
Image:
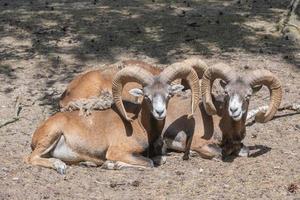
(88, 161)
(118, 159)
(44, 140)
(35, 158)
(209, 151)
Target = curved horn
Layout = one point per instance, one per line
(221, 71)
(265, 77)
(177, 70)
(128, 74)
(197, 64)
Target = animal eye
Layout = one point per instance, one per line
(226, 92)
(247, 96)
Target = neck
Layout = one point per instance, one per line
(152, 126)
(232, 131)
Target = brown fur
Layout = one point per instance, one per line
(101, 136)
(92, 83)
(195, 134)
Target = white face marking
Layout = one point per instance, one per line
(159, 108)
(235, 108)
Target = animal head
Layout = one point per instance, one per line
(156, 89)
(238, 90)
(237, 96)
(157, 96)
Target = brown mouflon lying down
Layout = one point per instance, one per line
(113, 138)
(222, 114)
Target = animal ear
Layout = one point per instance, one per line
(136, 92)
(256, 88)
(176, 88)
(223, 83)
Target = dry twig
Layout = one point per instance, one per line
(18, 108)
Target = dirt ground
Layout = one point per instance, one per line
(44, 44)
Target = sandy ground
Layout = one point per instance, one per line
(44, 44)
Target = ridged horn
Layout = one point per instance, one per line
(197, 64)
(176, 71)
(128, 74)
(265, 77)
(221, 71)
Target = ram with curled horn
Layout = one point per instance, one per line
(223, 114)
(117, 137)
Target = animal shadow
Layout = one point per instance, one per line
(254, 151)
(258, 150)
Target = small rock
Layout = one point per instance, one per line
(192, 24)
(293, 187)
(136, 183)
(64, 28)
(15, 179)
(254, 136)
(113, 185)
(181, 14)
(179, 173)
(297, 126)
(246, 67)
(5, 169)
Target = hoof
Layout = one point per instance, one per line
(60, 166)
(108, 165)
(193, 154)
(159, 160)
(185, 157)
(244, 152)
(87, 164)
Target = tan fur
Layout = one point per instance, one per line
(195, 134)
(101, 136)
(92, 83)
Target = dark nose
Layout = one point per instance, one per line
(233, 109)
(159, 112)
